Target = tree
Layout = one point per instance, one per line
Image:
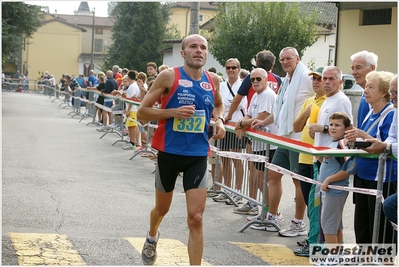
(243, 29)
(137, 34)
(19, 20)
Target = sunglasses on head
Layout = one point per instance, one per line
(256, 78)
(231, 67)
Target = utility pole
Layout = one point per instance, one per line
(194, 27)
(92, 40)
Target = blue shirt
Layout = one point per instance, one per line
(367, 167)
(330, 166)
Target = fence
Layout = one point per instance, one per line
(238, 155)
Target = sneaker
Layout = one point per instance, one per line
(113, 126)
(237, 199)
(149, 252)
(295, 229)
(102, 128)
(279, 217)
(211, 193)
(303, 251)
(248, 209)
(269, 228)
(129, 146)
(302, 242)
(221, 197)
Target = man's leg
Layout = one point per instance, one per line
(275, 190)
(162, 205)
(196, 199)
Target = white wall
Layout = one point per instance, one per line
(319, 51)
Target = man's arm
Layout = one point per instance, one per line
(300, 121)
(218, 111)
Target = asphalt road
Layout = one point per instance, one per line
(66, 190)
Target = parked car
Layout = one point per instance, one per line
(348, 81)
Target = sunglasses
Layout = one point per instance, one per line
(314, 78)
(231, 68)
(256, 78)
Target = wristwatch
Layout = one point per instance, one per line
(325, 129)
(388, 148)
(220, 118)
(240, 123)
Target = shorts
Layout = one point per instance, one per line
(132, 115)
(212, 157)
(260, 165)
(100, 100)
(230, 141)
(108, 102)
(169, 166)
(286, 159)
(331, 213)
(141, 128)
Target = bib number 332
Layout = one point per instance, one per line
(194, 124)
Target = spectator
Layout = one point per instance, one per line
(152, 69)
(260, 108)
(243, 74)
(308, 115)
(331, 173)
(163, 67)
(264, 59)
(362, 63)
(110, 85)
(375, 125)
(297, 87)
(389, 146)
(230, 142)
(131, 111)
(116, 75)
(100, 99)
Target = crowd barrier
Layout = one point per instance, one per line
(293, 145)
(244, 155)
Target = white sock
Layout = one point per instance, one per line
(153, 239)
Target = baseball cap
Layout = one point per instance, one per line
(318, 71)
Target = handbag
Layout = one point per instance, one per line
(350, 164)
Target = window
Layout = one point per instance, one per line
(99, 31)
(200, 18)
(98, 45)
(377, 16)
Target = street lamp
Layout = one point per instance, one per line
(92, 40)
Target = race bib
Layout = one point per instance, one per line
(194, 124)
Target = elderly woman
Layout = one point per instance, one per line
(382, 111)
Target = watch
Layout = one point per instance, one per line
(240, 123)
(388, 148)
(220, 118)
(325, 129)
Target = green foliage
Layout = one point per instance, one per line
(18, 20)
(242, 29)
(138, 31)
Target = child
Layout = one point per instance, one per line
(331, 172)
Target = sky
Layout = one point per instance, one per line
(68, 7)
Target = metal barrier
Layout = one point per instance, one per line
(242, 152)
(293, 145)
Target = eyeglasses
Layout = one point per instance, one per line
(231, 67)
(392, 92)
(286, 59)
(315, 78)
(256, 78)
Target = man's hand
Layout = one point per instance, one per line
(377, 147)
(218, 130)
(257, 123)
(315, 128)
(184, 112)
